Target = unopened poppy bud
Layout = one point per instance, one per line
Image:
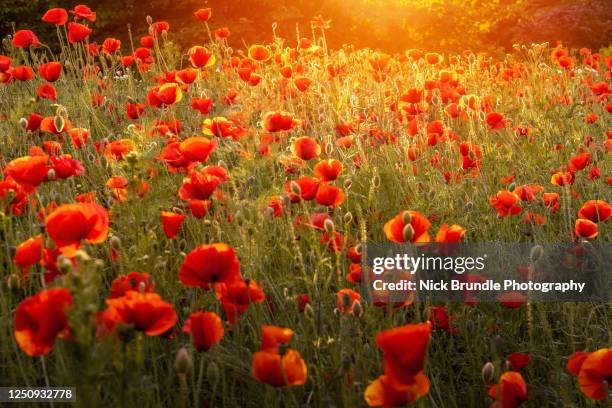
(212, 372)
(59, 123)
(488, 373)
(357, 308)
(64, 264)
(221, 163)
(348, 217)
(376, 181)
(296, 189)
(336, 312)
(308, 311)
(512, 186)
(536, 253)
(141, 287)
(329, 148)
(406, 218)
(23, 122)
(346, 362)
(51, 174)
(164, 35)
(207, 223)
(408, 232)
(13, 281)
(468, 206)
(286, 293)
(132, 157)
(183, 363)
(82, 256)
(348, 183)
(329, 226)
(149, 20)
(115, 242)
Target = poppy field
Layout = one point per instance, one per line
(185, 227)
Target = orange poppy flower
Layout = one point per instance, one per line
(259, 53)
(237, 296)
(136, 281)
(433, 58)
(279, 121)
(408, 226)
(574, 362)
(69, 224)
(146, 312)
(197, 148)
(29, 171)
(302, 83)
(57, 16)
(328, 170)
(595, 374)
(511, 390)
(305, 148)
(40, 319)
(118, 149)
(78, 32)
(595, 210)
(562, 178)
(273, 336)
(210, 264)
(79, 136)
(206, 329)
(585, 228)
(203, 14)
(172, 223)
(454, 233)
(329, 195)
(386, 392)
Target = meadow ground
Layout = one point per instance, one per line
(142, 184)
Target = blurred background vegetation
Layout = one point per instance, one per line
(390, 25)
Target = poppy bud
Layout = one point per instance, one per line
(536, 253)
(348, 183)
(512, 186)
(358, 249)
(64, 264)
(336, 312)
(115, 242)
(329, 226)
(357, 308)
(309, 311)
(13, 281)
(149, 20)
(376, 181)
(488, 373)
(285, 293)
(212, 372)
(468, 206)
(51, 174)
(59, 123)
(221, 163)
(348, 217)
(296, 189)
(329, 148)
(82, 256)
(346, 362)
(164, 35)
(406, 218)
(408, 232)
(183, 363)
(23, 122)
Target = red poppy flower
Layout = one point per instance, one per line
(506, 203)
(83, 12)
(562, 178)
(574, 362)
(111, 45)
(387, 392)
(221, 33)
(237, 296)
(29, 252)
(329, 195)
(595, 376)
(23, 73)
(206, 329)
(25, 39)
(118, 149)
(279, 121)
(512, 300)
(441, 320)
(496, 121)
(454, 233)
(203, 14)
(159, 27)
(518, 360)
(595, 210)
(78, 32)
(328, 170)
(408, 226)
(57, 16)
(304, 188)
(40, 319)
(29, 171)
(172, 223)
(302, 83)
(210, 264)
(197, 148)
(511, 390)
(204, 105)
(345, 300)
(199, 186)
(271, 367)
(305, 148)
(585, 228)
(136, 281)
(201, 57)
(69, 224)
(259, 53)
(47, 91)
(146, 312)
